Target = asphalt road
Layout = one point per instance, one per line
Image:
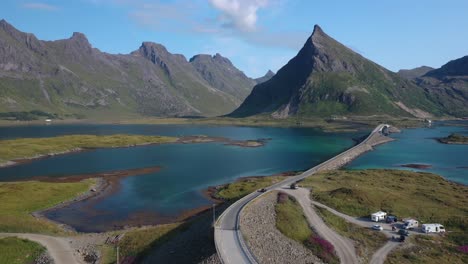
(59, 248)
(228, 249)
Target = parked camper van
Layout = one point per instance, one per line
(379, 216)
(433, 228)
(410, 224)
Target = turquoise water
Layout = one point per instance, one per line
(187, 169)
(420, 147)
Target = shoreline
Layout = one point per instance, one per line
(106, 183)
(180, 140)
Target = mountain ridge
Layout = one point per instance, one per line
(72, 78)
(327, 78)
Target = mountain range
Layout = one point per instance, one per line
(71, 78)
(327, 78)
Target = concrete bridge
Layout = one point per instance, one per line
(229, 242)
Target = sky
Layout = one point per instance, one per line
(256, 35)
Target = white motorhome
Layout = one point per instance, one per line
(379, 216)
(410, 224)
(432, 228)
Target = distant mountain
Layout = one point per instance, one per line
(219, 72)
(265, 78)
(448, 86)
(71, 78)
(414, 73)
(326, 78)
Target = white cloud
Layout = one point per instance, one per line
(40, 6)
(240, 14)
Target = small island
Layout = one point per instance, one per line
(16, 151)
(454, 139)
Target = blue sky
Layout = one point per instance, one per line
(256, 35)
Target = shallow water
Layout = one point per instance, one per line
(419, 146)
(187, 169)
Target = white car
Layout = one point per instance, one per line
(377, 227)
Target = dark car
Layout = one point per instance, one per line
(391, 219)
(262, 190)
(403, 232)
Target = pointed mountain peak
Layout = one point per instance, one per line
(317, 30)
(7, 26)
(269, 73)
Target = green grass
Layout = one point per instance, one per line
(244, 186)
(427, 249)
(139, 241)
(365, 240)
(19, 251)
(291, 221)
(30, 147)
(20, 199)
(425, 196)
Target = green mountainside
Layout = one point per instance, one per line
(448, 86)
(327, 78)
(70, 78)
(414, 73)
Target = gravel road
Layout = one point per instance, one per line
(58, 247)
(268, 244)
(344, 247)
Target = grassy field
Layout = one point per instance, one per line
(290, 221)
(425, 196)
(138, 242)
(20, 199)
(427, 249)
(244, 186)
(31, 147)
(19, 251)
(365, 240)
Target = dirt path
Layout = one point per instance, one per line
(58, 248)
(343, 246)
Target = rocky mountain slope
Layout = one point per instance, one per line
(219, 72)
(448, 86)
(414, 73)
(71, 78)
(327, 78)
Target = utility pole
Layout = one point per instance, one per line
(214, 214)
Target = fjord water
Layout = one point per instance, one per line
(419, 146)
(187, 169)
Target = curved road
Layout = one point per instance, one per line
(59, 249)
(344, 247)
(228, 240)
